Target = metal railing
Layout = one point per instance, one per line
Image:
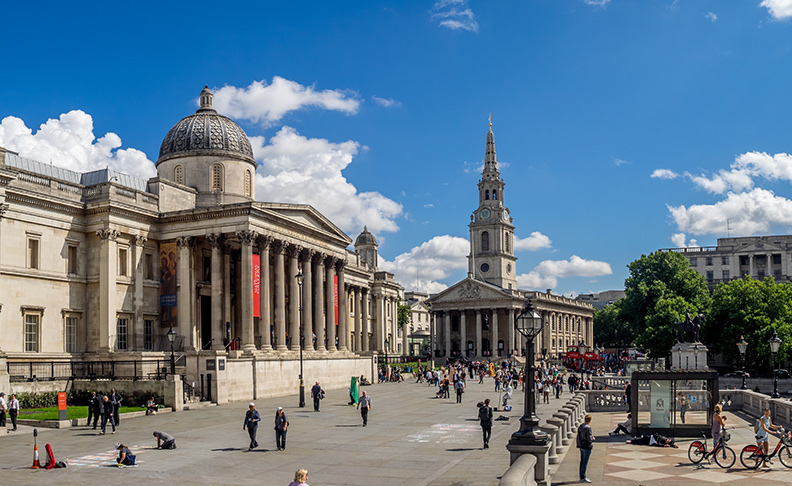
(22, 371)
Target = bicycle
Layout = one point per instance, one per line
(752, 456)
(697, 452)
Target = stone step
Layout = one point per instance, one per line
(198, 405)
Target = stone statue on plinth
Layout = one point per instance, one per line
(689, 356)
(690, 325)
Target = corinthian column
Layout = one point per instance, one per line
(216, 242)
(108, 270)
(246, 238)
(364, 337)
(280, 296)
(184, 300)
(318, 301)
(265, 323)
(358, 333)
(343, 317)
(330, 297)
(307, 299)
(294, 298)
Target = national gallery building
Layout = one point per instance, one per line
(100, 266)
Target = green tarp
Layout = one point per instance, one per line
(353, 391)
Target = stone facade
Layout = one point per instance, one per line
(475, 318)
(86, 261)
(733, 258)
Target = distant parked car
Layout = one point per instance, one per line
(737, 374)
(782, 373)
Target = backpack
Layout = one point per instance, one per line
(484, 414)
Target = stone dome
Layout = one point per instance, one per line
(206, 133)
(365, 238)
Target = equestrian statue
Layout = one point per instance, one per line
(691, 324)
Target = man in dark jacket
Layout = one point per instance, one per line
(92, 413)
(317, 394)
(485, 419)
(115, 399)
(252, 419)
(585, 442)
(107, 414)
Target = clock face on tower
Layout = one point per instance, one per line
(485, 214)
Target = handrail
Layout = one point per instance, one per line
(29, 371)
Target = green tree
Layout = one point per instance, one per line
(404, 316)
(660, 288)
(610, 329)
(753, 309)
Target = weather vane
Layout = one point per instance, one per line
(490, 120)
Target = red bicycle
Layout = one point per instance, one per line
(752, 456)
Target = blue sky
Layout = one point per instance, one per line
(621, 126)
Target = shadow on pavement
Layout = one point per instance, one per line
(464, 449)
(356, 425)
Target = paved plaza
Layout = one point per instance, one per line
(412, 438)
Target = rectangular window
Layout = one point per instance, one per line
(123, 262)
(70, 337)
(149, 266)
(71, 260)
(709, 261)
(33, 253)
(32, 333)
(693, 262)
(724, 260)
(744, 260)
(148, 335)
(725, 275)
(121, 338)
(710, 276)
(776, 259)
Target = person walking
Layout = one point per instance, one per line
(13, 410)
(252, 419)
(107, 414)
(766, 427)
(116, 399)
(485, 419)
(682, 406)
(460, 389)
(3, 409)
(628, 396)
(317, 394)
(585, 442)
(91, 408)
(281, 425)
(364, 405)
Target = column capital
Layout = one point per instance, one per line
(215, 240)
(141, 240)
(340, 264)
(108, 234)
(3, 209)
(183, 241)
(265, 242)
(294, 251)
(246, 237)
(278, 246)
(318, 257)
(330, 261)
(307, 254)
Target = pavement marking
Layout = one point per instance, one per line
(103, 459)
(444, 434)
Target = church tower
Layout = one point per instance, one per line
(491, 257)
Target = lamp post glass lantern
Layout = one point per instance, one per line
(387, 342)
(582, 349)
(775, 344)
(172, 339)
(529, 324)
(300, 278)
(742, 345)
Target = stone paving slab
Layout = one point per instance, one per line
(412, 438)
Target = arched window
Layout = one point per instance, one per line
(217, 177)
(178, 174)
(484, 241)
(495, 194)
(248, 183)
(486, 194)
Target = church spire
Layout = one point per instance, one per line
(490, 159)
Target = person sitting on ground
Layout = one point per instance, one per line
(151, 407)
(624, 426)
(364, 381)
(655, 440)
(165, 440)
(125, 456)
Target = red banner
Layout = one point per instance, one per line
(335, 298)
(256, 286)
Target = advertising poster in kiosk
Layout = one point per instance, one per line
(168, 284)
(660, 403)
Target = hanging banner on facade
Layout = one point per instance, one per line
(256, 286)
(335, 298)
(168, 284)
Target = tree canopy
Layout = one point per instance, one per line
(660, 289)
(610, 329)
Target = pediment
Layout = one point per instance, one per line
(306, 216)
(761, 247)
(470, 290)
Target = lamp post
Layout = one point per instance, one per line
(300, 278)
(582, 349)
(529, 324)
(172, 339)
(742, 345)
(411, 340)
(386, 359)
(775, 343)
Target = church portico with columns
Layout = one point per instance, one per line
(99, 267)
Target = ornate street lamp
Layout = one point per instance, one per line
(172, 339)
(742, 345)
(582, 349)
(300, 278)
(529, 324)
(387, 342)
(775, 343)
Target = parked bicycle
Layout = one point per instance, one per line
(724, 455)
(752, 456)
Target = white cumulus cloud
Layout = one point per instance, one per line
(574, 267)
(678, 239)
(454, 15)
(69, 142)
(536, 281)
(425, 265)
(386, 102)
(779, 9)
(297, 169)
(536, 241)
(268, 103)
(664, 174)
(711, 16)
(596, 3)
